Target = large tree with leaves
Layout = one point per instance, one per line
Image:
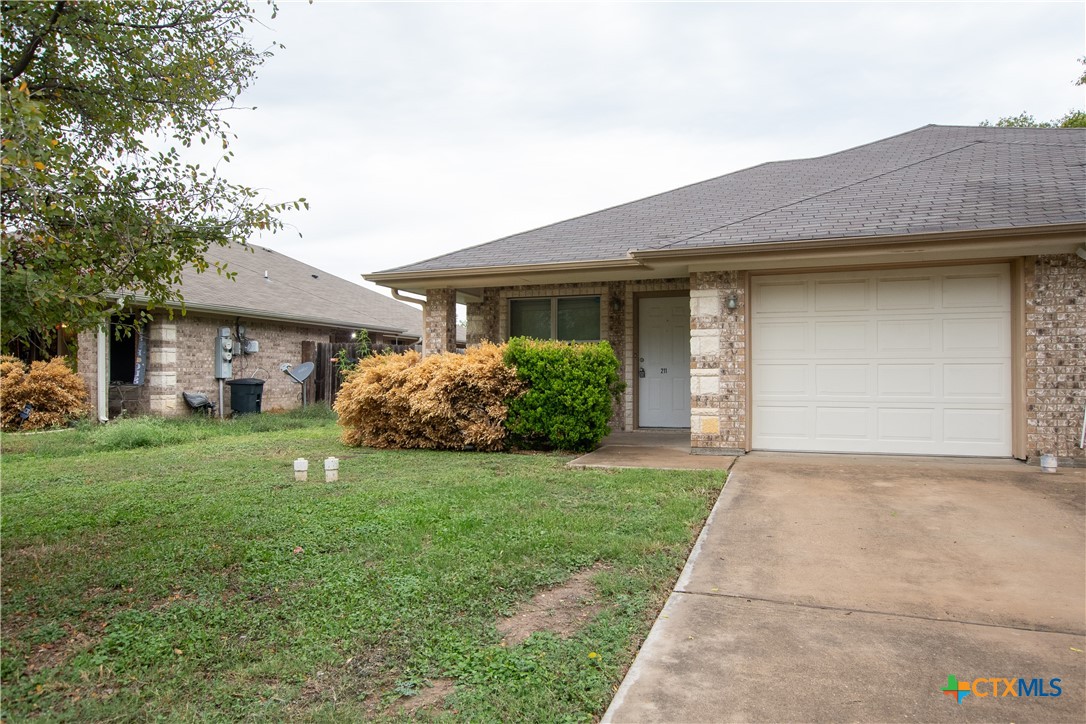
(1071, 119)
(100, 100)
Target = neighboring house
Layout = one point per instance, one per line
(284, 306)
(921, 294)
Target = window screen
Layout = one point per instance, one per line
(530, 318)
(579, 319)
(569, 319)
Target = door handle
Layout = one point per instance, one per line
(641, 372)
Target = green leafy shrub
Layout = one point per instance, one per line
(56, 394)
(443, 401)
(571, 389)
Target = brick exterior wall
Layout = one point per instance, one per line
(439, 321)
(718, 359)
(180, 359)
(279, 343)
(1055, 356)
(483, 319)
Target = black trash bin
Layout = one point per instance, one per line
(245, 394)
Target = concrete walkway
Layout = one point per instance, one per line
(656, 449)
(833, 588)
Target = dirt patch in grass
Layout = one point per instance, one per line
(55, 654)
(430, 698)
(562, 610)
(173, 599)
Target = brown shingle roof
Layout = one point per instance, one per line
(293, 291)
(932, 179)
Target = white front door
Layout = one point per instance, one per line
(664, 362)
(914, 361)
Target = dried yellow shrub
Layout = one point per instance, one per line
(444, 401)
(57, 394)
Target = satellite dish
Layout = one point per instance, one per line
(301, 373)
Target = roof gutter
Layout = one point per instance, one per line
(694, 254)
(389, 278)
(397, 294)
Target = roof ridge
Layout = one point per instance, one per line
(869, 143)
(1005, 142)
(815, 196)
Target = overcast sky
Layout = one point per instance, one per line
(418, 129)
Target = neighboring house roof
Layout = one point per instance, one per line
(292, 291)
(930, 180)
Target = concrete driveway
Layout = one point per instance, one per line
(848, 588)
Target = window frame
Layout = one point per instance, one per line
(554, 314)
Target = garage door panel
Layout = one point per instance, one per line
(974, 292)
(905, 293)
(899, 362)
(972, 425)
(907, 380)
(837, 337)
(784, 380)
(841, 296)
(843, 380)
(785, 423)
(916, 424)
(914, 336)
(782, 337)
(790, 296)
(975, 335)
(986, 381)
(842, 423)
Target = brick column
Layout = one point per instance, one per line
(1055, 359)
(439, 321)
(718, 361)
(87, 366)
(162, 367)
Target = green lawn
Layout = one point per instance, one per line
(192, 578)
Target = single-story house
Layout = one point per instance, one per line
(922, 294)
(276, 310)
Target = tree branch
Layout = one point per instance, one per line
(28, 53)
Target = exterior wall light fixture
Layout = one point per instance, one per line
(732, 301)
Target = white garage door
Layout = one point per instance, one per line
(912, 361)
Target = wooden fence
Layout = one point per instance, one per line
(326, 377)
